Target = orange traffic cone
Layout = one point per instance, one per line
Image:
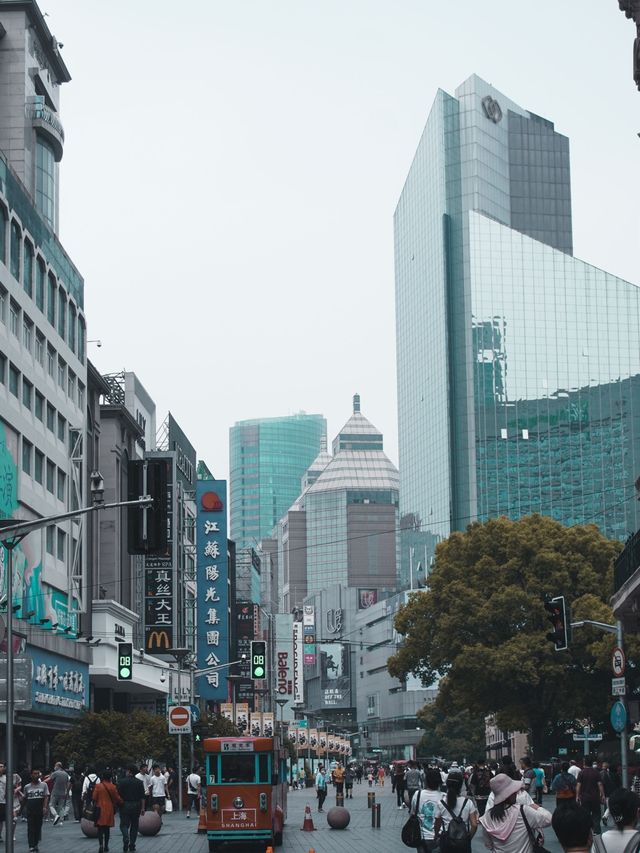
(308, 826)
(269, 850)
(202, 821)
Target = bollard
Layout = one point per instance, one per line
(371, 798)
(340, 799)
(378, 809)
(373, 815)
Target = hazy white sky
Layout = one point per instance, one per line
(231, 170)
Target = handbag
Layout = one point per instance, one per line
(168, 806)
(411, 834)
(537, 840)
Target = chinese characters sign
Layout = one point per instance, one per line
(59, 685)
(159, 578)
(212, 605)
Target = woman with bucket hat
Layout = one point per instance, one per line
(509, 827)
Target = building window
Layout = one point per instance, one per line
(51, 299)
(62, 313)
(27, 393)
(62, 544)
(3, 368)
(80, 395)
(3, 304)
(38, 466)
(46, 180)
(62, 484)
(71, 385)
(51, 533)
(73, 320)
(16, 249)
(27, 450)
(14, 380)
(14, 318)
(27, 333)
(51, 476)
(51, 360)
(62, 427)
(39, 407)
(41, 274)
(82, 337)
(62, 372)
(51, 417)
(3, 235)
(27, 268)
(39, 347)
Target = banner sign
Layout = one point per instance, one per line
(255, 722)
(298, 659)
(242, 718)
(59, 685)
(212, 596)
(267, 724)
(367, 598)
(159, 584)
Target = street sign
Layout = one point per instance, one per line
(195, 713)
(302, 724)
(562, 750)
(591, 736)
(618, 686)
(618, 662)
(618, 716)
(179, 719)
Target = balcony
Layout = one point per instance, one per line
(46, 122)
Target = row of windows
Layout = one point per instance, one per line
(21, 326)
(41, 285)
(56, 542)
(33, 400)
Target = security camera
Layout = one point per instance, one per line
(243, 657)
(141, 652)
(163, 678)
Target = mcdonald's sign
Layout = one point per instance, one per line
(158, 640)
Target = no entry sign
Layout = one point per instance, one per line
(179, 719)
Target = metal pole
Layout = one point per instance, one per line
(624, 761)
(10, 700)
(180, 773)
(191, 702)
(585, 749)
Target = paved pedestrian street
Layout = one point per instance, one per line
(179, 835)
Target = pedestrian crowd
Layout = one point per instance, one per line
(71, 794)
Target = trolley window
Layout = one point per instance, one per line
(263, 768)
(212, 769)
(237, 769)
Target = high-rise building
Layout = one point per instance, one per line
(518, 365)
(268, 457)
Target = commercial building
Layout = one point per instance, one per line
(267, 458)
(518, 365)
(43, 379)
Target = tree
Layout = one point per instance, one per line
(212, 725)
(113, 739)
(480, 627)
(455, 736)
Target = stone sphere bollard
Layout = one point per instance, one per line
(338, 817)
(150, 823)
(89, 828)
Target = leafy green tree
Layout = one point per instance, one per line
(113, 739)
(480, 627)
(212, 725)
(456, 736)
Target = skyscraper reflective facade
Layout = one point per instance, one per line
(268, 458)
(518, 365)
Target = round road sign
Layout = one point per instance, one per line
(179, 715)
(618, 662)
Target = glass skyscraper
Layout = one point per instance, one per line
(518, 365)
(268, 458)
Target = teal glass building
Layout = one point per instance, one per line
(518, 365)
(268, 458)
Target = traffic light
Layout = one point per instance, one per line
(155, 540)
(558, 615)
(258, 659)
(125, 661)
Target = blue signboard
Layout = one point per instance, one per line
(618, 716)
(59, 685)
(212, 588)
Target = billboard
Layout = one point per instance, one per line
(367, 598)
(298, 652)
(160, 581)
(212, 594)
(335, 681)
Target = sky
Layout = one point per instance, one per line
(231, 170)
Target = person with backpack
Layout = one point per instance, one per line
(563, 785)
(91, 779)
(624, 808)
(423, 804)
(507, 826)
(479, 785)
(456, 818)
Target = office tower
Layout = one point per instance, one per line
(518, 364)
(268, 457)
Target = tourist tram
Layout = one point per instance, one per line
(246, 797)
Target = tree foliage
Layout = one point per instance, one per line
(480, 627)
(113, 739)
(456, 736)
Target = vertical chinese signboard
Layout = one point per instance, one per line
(159, 584)
(212, 605)
(298, 681)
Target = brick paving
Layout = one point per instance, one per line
(179, 835)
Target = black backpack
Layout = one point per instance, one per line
(456, 838)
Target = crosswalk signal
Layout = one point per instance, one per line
(147, 527)
(558, 615)
(258, 660)
(125, 661)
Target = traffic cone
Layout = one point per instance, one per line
(202, 821)
(308, 826)
(269, 850)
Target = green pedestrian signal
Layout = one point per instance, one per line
(258, 660)
(125, 661)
